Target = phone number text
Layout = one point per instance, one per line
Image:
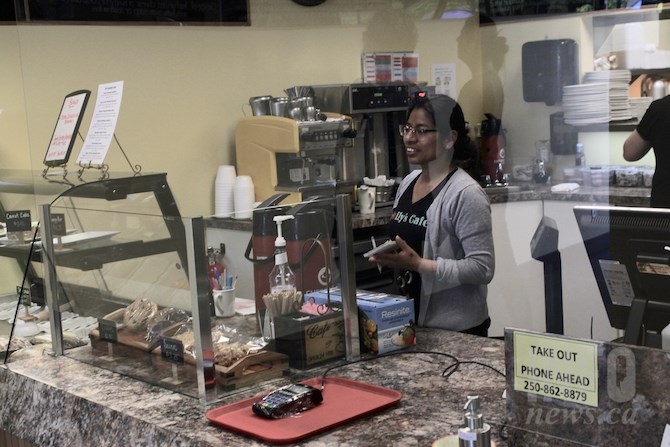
(555, 391)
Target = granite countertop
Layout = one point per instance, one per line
(612, 195)
(60, 401)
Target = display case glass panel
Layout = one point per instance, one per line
(130, 286)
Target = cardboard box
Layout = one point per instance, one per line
(386, 321)
(310, 340)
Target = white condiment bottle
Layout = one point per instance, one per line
(282, 277)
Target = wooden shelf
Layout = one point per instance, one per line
(613, 126)
(635, 72)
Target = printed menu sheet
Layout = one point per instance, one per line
(103, 123)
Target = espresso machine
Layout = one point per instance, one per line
(301, 158)
(377, 111)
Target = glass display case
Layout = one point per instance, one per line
(23, 192)
(111, 252)
(129, 294)
(20, 194)
(128, 285)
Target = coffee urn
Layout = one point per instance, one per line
(308, 244)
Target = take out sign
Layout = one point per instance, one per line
(555, 367)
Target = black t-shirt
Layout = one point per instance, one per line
(655, 128)
(409, 221)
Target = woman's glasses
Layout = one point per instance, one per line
(406, 129)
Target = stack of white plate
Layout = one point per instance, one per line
(618, 82)
(640, 105)
(586, 104)
(603, 97)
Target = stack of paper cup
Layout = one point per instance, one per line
(224, 186)
(244, 197)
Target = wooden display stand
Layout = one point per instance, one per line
(253, 368)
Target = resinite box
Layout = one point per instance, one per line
(386, 321)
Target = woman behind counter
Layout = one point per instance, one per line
(442, 222)
(653, 131)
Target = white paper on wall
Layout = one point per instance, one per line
(443, 77)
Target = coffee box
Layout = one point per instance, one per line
(386, 321)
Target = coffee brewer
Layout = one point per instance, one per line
(302, 158)
(377, 111)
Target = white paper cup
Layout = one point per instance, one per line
(243, 180)
(224, 191)
(366, 199)
(224, 202)
(244, 196)
(224, 302)
(226, 174)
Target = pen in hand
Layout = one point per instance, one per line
(374, 245)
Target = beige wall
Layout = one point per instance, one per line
(185, 87)
(14, 152)
(527, 122)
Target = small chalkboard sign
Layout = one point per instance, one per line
(18, 220)
(58, 225)
(172, 350)
(107, 329)
(24, 295)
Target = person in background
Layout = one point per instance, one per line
(653, 131)
(441, 221)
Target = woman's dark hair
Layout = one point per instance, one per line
(447, 115)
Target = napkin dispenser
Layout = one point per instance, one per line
(548, 65)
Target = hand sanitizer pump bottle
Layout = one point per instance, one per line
(281, 277)
(282, 281)
(475, 433)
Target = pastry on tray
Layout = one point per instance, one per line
(164, 320)
(137, 314)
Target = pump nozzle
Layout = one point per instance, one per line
(281, 276)
(280, 241)
(473, 418)
(475, 433)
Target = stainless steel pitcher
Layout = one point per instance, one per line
(260, 105)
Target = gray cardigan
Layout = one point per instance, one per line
(459, 237)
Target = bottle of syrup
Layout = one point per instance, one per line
(215, 271)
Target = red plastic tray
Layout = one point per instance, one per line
(344, 400)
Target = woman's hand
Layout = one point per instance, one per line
(404, 259)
